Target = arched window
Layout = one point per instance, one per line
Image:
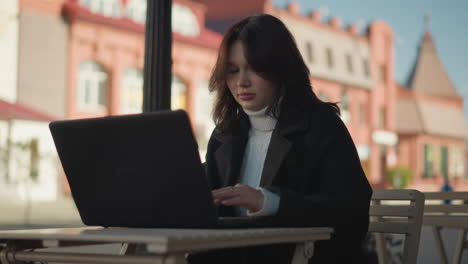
(184, 21)
(110, 8)
(131, 96)
(178, 94)
(136, 10)
(92, 86)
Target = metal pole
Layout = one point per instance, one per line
(158, 56)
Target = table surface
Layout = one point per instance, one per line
(172, 240)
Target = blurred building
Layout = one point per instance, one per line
(84, 58)
(431, 123)
(28, 164)
(29, 168)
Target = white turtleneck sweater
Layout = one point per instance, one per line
(262, 126)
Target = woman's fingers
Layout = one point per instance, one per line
(224, 193)
(225, 196)
(239, 195)
(228, 195)
(232, 201)
(230, 189)
(223, 190)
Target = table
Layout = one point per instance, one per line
(167, 245)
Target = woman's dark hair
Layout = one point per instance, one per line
(272, 52)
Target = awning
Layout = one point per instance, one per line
(20, 112)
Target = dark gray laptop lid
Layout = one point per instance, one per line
(139, 170)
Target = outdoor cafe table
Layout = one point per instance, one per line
(164, 245)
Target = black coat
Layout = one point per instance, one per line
(313, 165)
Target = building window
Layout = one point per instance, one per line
(309, 52)
(131, 97)
(383, 73)
(444, 169)
(136, 10)
(344, 106)
(184, 21)
(204, 125)
(365, 66)
(178, 94)
(86, 3)
(382, 120)
(92, 86)
(34, 159)
(428, 170)
(110, 8)
(456, 162)
(349, 63)
(362, 114)
(329, 58)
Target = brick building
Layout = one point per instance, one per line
(91, 64)
(430, 123)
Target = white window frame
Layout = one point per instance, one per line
(136, 11)
(178, 87)
(204, 125)
(110, 8)
(90, 71)
(456, 162)
(184, 21)
(131, 97)
(204, 104)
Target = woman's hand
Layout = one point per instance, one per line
(241, 195)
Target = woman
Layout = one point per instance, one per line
(278, 150)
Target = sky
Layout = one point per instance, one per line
(448, 26)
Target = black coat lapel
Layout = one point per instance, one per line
(291, 120)
(231, 152)
(277, 150)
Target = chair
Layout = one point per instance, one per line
(447, 210)
(397, 212)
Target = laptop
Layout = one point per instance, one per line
(140, 170)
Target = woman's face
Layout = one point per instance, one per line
(248, 88)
